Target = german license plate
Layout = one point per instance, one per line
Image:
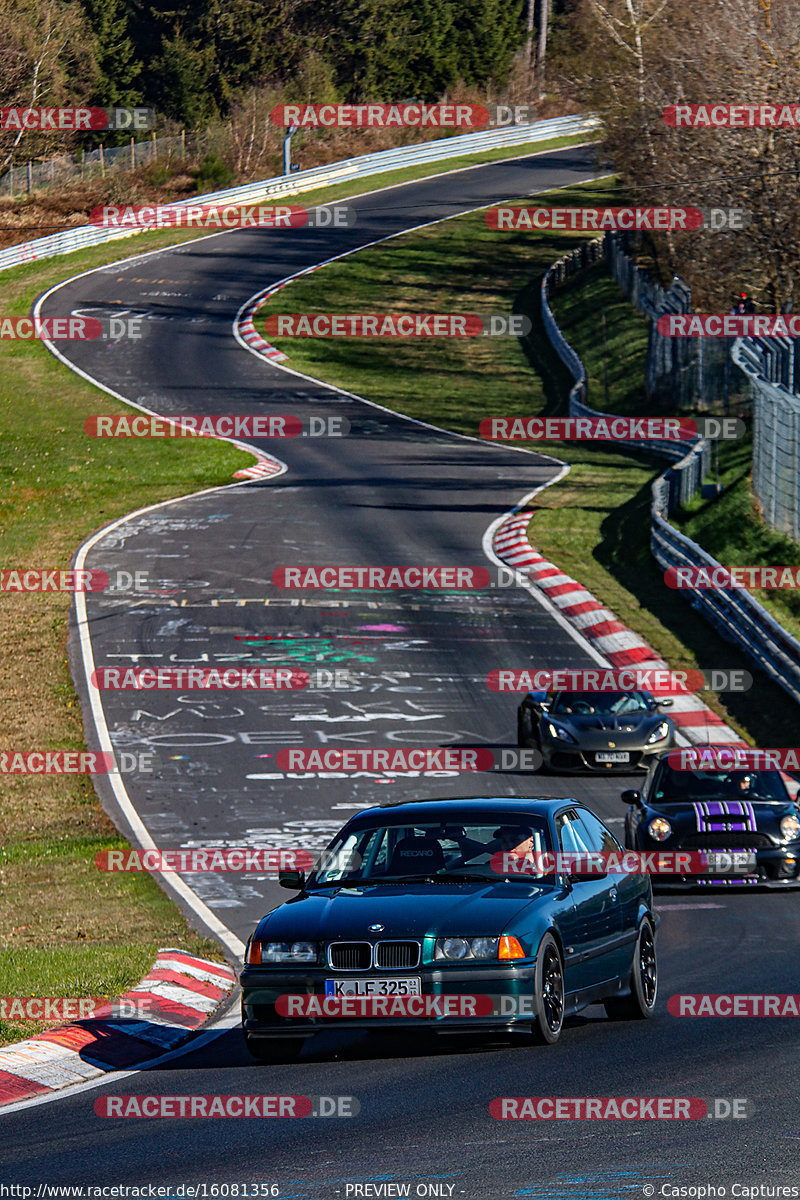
(731, 862)
(613, 756)
(410, 986)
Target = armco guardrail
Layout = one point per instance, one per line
(303, 181)
(736, 615)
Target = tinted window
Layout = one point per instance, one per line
(671, 786)
(596, 832)
(382, 852)
(589, 703)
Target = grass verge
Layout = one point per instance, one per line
(595, 523)
(732, 530)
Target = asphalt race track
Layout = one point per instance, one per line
(393, 491)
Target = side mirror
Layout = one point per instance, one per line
(538, 700)
(667, 702)
(632, 797)
(583, 876)
(295, 880)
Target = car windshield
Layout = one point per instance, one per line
(589, 703)
(468, 849)
(671, 786)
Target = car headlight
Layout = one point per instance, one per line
(460, 947)
(288, 952)
(659, 829)
(659, 733)
(557, 732)
(790, 828)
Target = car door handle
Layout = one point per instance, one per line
(613, 895)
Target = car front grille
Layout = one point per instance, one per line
(394, 956)
(350, 956)
(386, 956)
(726, 840)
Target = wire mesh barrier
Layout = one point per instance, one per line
(734, 613)
(770, 365)
(680, 373)
(338, 172)
(686, 477)
(64, 169)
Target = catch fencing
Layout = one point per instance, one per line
(735, 614)
(64, 169)
(686, 476)
(302, 181)
(680, 373)
(773, 368)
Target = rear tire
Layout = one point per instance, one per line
(639, 1005)
(548, 993)
(274, 1050)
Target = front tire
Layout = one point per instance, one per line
(548, 993)
(525, 735)
(641, 1002)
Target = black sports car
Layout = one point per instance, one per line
(719, 812)
(595, 731)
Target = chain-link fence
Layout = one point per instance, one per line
(27, 177)
(767, 363)
(680, 373)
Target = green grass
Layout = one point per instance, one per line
(731, 529)
(595, 523)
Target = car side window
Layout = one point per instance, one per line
(596, 834)
(568, 830)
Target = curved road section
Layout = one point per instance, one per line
(392, 492)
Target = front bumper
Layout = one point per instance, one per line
(568, 759)
(262, 986)
(775, 867)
